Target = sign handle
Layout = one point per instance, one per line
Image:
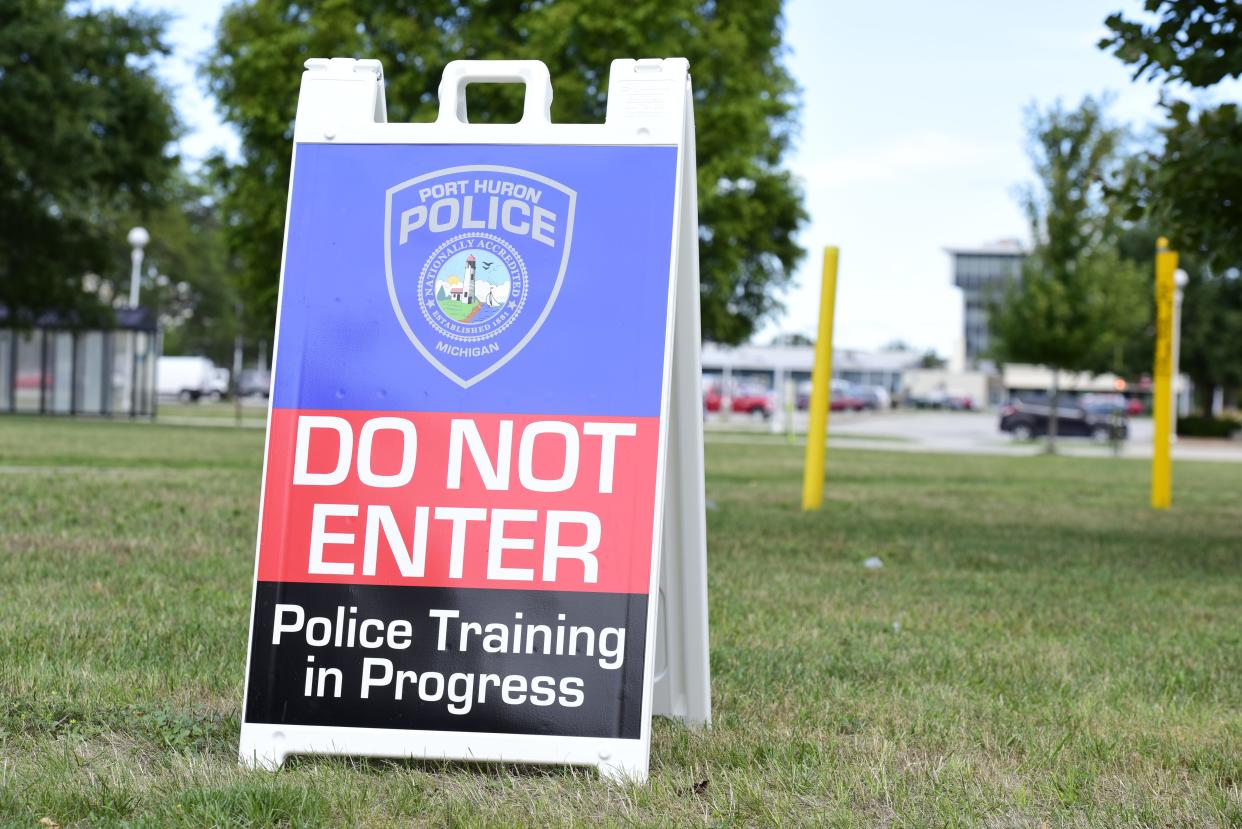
(536, 107)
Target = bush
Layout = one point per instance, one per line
(1207, 427)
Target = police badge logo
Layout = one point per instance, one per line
(475, 257)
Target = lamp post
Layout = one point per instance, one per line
(1180, 278)
(138, 238)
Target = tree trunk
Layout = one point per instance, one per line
(1055, 400)
(1205, 391)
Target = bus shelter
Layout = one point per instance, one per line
(58, 367)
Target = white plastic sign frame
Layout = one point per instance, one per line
(342, 103)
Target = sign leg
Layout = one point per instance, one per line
(682, 687)
(626, 766)
(265, 751)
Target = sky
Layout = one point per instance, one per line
(912, 139)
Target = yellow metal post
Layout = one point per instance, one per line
(1162, 410)
(821, 386)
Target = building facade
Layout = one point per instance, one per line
(768, 366)
(58, 367)
(980, 273)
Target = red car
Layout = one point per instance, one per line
(846, 401)
(745, 400)
(845, 398)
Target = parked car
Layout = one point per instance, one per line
(1104, 402)
(186, 378)
(941, 399)
(930, 400)
(803, 397)
(32, 379)
(846, 397)
(753, 400)
(875, 398)
(254, 383)
(1026, 419)
(1131, 406)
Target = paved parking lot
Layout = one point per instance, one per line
(972, 433)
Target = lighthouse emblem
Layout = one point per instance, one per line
(473, 287)
(475, 257)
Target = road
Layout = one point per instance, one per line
(974, 433)
(900, 430)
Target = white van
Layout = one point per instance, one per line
(220, 383)
(186, 378)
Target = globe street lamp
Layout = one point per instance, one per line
(138, 238)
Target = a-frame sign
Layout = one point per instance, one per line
(481, 533)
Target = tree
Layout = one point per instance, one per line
(184, 280)
(192, 297)
(745, 101)
(1211, 345)
(1190, 186)
(795, 339)
(1077, 302)
(1195, 41)
(85, 131)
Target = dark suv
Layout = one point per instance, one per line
(1025, 419)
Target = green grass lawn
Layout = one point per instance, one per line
(1039, 648)
(207, 412)
(456, 309)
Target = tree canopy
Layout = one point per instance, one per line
(1188, 185)
(1193, 41)
(1078, 301)
(191, 294)
(85, 135)
(1192, 185)
(745, 105)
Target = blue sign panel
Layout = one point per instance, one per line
(521, 279)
